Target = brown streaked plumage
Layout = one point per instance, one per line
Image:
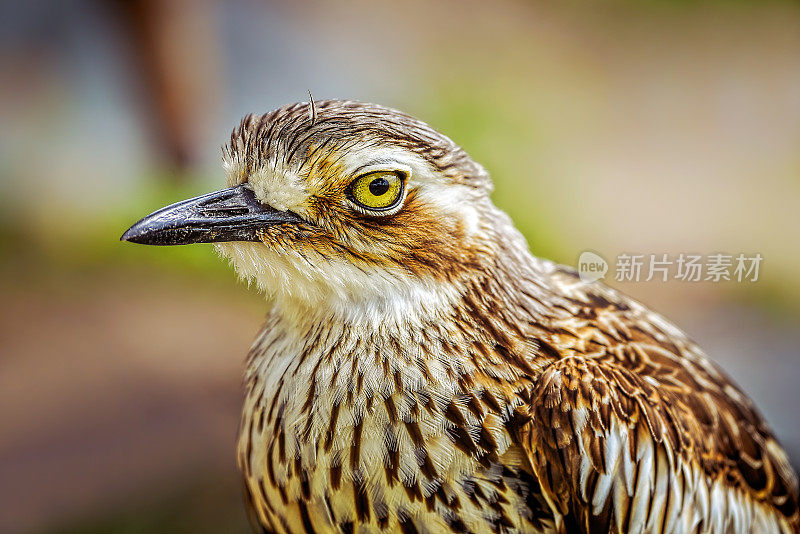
(420, 371)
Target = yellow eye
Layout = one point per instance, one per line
(377, 191)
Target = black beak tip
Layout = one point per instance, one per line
(134, 234)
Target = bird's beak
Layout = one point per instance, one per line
(232, 214)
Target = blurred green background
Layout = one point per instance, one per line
(644, 127)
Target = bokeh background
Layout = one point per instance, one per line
(640, 127)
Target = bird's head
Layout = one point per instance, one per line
(341, 203)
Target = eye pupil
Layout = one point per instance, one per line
(379, 186)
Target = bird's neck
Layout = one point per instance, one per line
(489, 309)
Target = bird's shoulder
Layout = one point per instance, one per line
(620, 374)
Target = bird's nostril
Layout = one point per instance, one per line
(221, 206)
(216, 199)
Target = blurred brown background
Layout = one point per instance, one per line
(648, 127)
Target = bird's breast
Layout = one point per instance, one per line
(349, 429)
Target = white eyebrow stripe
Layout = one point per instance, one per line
(383, 164)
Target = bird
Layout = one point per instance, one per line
(419, 370)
